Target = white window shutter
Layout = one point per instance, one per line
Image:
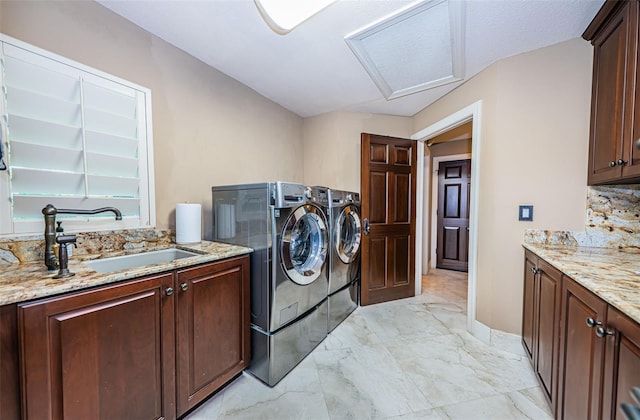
(76, 138)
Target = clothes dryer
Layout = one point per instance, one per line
(289, 283)
(344, 255)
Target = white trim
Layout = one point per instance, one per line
(434, 200)
(68, 62)
(472, 112)
(419, 198)
(480, 331)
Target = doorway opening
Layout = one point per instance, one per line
(425, 250)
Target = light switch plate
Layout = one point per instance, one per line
(525, 213)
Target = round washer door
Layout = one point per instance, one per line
(347, 234)
(303, 245)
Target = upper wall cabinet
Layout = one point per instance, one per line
(74, 137)
(614, 149)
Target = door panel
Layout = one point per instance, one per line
(402, 188)
(401, 245)
(622, 363)
(454, 193)
(114, 344)
(212, 328)
(378, 204)
(377, 267)
(548, 324)
(581, 354)
(451, 243)
(529, 304)
(388, 188)
(608, 93)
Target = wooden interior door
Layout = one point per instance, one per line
(454, 195)
(388, 186)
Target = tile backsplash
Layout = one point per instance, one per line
(612, 221)
(31, 248)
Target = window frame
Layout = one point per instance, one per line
(72, 223)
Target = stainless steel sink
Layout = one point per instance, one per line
(105, 265)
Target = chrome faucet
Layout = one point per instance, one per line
(49, 213)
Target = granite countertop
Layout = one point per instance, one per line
(31, 280)
(611, 274)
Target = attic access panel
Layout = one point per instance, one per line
(417, 48)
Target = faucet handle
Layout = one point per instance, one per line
(66, 239)
(63, 259)
(59, 229)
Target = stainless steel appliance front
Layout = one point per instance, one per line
(344, 259)
(290, 238)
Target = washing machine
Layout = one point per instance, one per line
(289, 270)
(344, 255)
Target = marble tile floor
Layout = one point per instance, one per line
(406, 359)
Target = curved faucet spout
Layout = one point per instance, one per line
(49, 212)
(94, 211)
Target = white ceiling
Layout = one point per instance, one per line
(311, 70)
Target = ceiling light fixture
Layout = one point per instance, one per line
(284, 15)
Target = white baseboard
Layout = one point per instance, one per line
(481, 331)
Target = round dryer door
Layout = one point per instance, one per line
(303, 247)
(347, 234)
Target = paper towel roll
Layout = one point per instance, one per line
(188, 223)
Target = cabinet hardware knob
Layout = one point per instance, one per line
(638, 144)
(592, 322)
(601, 332)
(169, 291)
(612, 163)
(622, 162)
(184, 287)
(367, 227)
(534, 270)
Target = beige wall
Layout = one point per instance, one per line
(208, 128)
(455, 147)
(332, 145)
(533, 150)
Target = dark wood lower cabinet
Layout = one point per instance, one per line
(581, 353)
(212, 328)
(585, 352)
(9, 363)
(549, 294)
(622, 363)
(100, 354)
(529, 304)
(541, 321)
(149, 348)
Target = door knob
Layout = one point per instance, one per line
(169, 291)
(367, 228)
(184, 287)
(612, 164)
(622, 162)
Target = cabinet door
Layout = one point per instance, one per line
(581, 353)
(106, 353)
(622, 363)
(610, 88)
(9, 366)
(632, 151)
(549, 293)
(213, 324)
(529, 304)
